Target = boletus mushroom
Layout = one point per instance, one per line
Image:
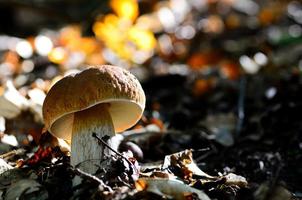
(103, 99)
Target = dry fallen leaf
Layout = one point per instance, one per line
(183, 162)
(11, 101)
(169, 188)
(183, 166)
(233, 179)
(37, 97)
(222, 126)
(11, 176)
(40, 155)
(267, 192)
(26, 189)
(4, 166)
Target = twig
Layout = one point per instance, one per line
(12, 153)
(201, 150)
(106, 145)
(90, 177)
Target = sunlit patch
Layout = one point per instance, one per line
(24, 49)
(129, 42)
(9, 139)
(260, 58)
(68, 35)
(185, 32)
(57, 55)
(127, 9)
(167, 19)
(141, 185)
(2, 119)
(249, 65)
(27, 66)
(142, 38)
(43, 45)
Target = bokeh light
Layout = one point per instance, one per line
(43, 45)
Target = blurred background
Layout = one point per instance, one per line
(227, 37)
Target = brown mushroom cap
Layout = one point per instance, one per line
(95, 85)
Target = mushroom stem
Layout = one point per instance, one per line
(86, 153)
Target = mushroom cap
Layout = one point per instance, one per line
(95, 85)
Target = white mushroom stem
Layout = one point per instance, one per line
(85, 150)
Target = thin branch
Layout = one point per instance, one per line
(92, 178)
(109, 147)
(12, 153)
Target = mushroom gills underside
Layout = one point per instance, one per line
(124, 114)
